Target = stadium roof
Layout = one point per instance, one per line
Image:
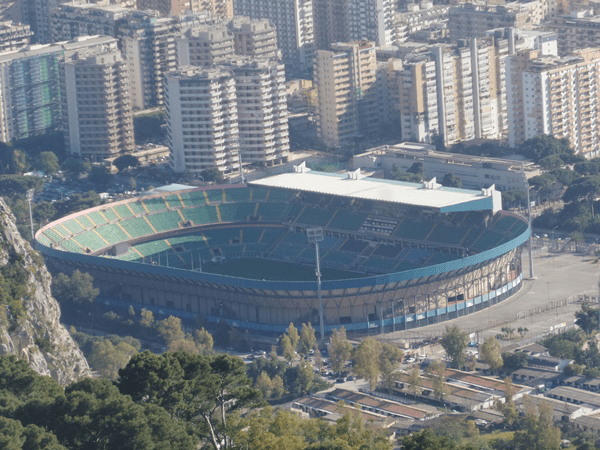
(352, 184)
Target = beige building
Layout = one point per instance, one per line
(96, 106)
(558, 96)
(218, 8)
(346, 82)
(255, 38)
(417, 17)
(205, 46)
(579, 29)
(14, 36)
(202, 120)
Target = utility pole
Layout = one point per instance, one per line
(30, 193)
(531, 274)
(315, 235)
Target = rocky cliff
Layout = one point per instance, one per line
(29, 315)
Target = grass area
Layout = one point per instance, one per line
(490, 437)
(266, 269)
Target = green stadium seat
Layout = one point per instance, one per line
(273, 212)
(155, 204)
(130, 256)
(447, 234)
(279, 195)
(96, 218)
(259, 193)
(202, 215)
(339, 257)
(193, 198)
(73, 226)
(315, 216)
(236, 212)
(173, 201)
(45, 240)
(488, 239)
(219, 237)
(112, 233)
(137, 208)
(215, 196)
(237, 195)
(89, 239)
(110, 215)
(165, 221)
(379, 264)
(85, 222)
(503, 224)
(286, 250)
(344, 220)
(413, 230)
(137, 227)
(251, 235)
(123, 211)
(53, 235)
(71, 246)
(153, 248)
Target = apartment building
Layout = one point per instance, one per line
(293, 20)
(30, 96)
(74, 19)
(96, 106)
(206, 45)
(474, 20)
(553, 95)
(353, 20)
(150, 50)
(202, 120)
(14, 36)
(215, 8)
(579, 29)
(37, 14)
(262, 111)
(346, 82)
(255, 38)
(417, 17)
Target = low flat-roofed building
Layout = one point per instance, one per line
(535, 377)
(475, 172)
(574, 395)
(580, 382)
(562, 411)
(319, 407)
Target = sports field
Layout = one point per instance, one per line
(266, 269)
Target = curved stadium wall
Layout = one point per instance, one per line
(142, 252)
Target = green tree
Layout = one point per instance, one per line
(417, 168)
(212, 174)
(108, 359)
(264, 384)
(414, 381)
(204, 341)
(508, 331)
(300, 380)
(170, 329)
(78, 288)
(452, 180)
(537, 428)
(522, 331)
(340, 349)
(147, 318)
(389, 359)
(436, 372)
(490, 353)
(292, 333)
(19, 162)
(454, 342)
(73, 168)
(15, 436)
(515, 361)
(100, 176)
(125, 162)
(307, 341)
(47, 162)
(508, 407)
(366, 359)
(286, 347)
(587, 318)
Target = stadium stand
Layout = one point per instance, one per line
(110, 215)
(84, 222)
(388, 251)
(259, 193)
(487, 239)
(137, 227)
(341, 258)
(236, 212)
(354, 246)
(447, 234)
(96, 218)
(278, 195)
(251, 235)
(154, 204)
(153, 248)
(345, 220)
(73, 226)
(413, 230)
(53, 235)
(379, 264)
(112, 233)
(202, 216)
(194, 198)
(215, 195)
(237, 195)
(315, 216)
(165, 221)
(89, 239)
(217, 237)
(273, 212)
(123, 211)
(137, 208)
(173, 201)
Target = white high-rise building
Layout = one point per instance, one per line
(202, 120)
(96, 105)
(255, 38)
(205, 46)
(295, 29)
(558, 96)
(30, 96)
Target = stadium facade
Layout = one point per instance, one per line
(395, 255)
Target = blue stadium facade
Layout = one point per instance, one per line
(408, 266)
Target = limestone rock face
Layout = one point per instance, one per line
(36, 336)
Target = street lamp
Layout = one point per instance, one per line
(30, 193)
(315, 235)
(553, 241)
(531, 275)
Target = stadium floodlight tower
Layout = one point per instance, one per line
(315, 235)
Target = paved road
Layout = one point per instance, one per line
(557, 277)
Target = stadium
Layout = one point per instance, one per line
(394, 255)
